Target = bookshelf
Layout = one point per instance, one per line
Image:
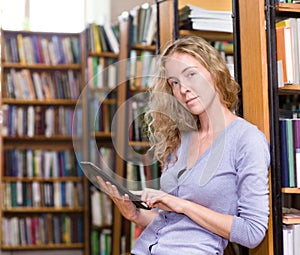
(102, 94)
(113, 137)
(283, 195)
(260, 81)
(250, 69)
(117, 136)
(169, 27)
(42, 187)
(140, 66)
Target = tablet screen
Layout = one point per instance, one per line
(92, 171)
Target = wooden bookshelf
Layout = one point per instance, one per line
(254, 76)
(261, 100)
(29, 54)
(106, 100)
(289, 89)
(251, 68)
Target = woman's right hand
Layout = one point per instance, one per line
(124, 204)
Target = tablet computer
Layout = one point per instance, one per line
(92, 171)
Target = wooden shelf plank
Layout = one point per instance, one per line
(144, 47)
(23, 209)
(44, 246)
(289, 89)
(62, 102)
(208, 35)
(42, 66)
(105, 54)
(290, 190)
(285, 7)
(41, 179)
(38, 138)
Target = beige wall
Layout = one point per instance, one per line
(117, 7)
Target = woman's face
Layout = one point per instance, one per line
(191, 83)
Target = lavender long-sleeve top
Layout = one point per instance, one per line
(230, 177)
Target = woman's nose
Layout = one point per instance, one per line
(183, 88)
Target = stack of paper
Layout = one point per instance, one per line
(192, 17)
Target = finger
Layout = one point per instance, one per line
(102, 184)
(100, 180)
(126, 198)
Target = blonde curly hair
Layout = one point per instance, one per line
(166, 117)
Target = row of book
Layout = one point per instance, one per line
(143, 24)
(40, 163)
(101, 242)
(104, 157)
(137, 129)
(24, 84)
(142, 175)
(38, 120)
(102, 72)
(291, 237)
(44, 229)
(34, 49)
(101, 208)
(290, 152)
(42, 194)
(142, 65)
(289, 1)
(101, 115)
(193, 17)
(102, 38)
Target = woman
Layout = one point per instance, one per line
(214, 184)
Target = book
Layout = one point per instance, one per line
(21, 49)
(288, 240)
(112, 39)
(296, 137)
(296, 230)
(96, 38)
(150, 32)
(291, 216)
(285, 52)
(290, 149)
(212, 25)
(103, 38)
(283, 154)
(193, 17)
(294, 24)
(144, 15)
(189, 11)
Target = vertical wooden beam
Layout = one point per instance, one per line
(121, 123)
(166, 26)
(85, 143)
(255, 83)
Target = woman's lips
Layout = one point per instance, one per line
(190, 100)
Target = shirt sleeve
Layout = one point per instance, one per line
(252, 162)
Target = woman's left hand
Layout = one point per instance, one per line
(162, 200)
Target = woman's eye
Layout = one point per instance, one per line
(191, 74)
(173, 83)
